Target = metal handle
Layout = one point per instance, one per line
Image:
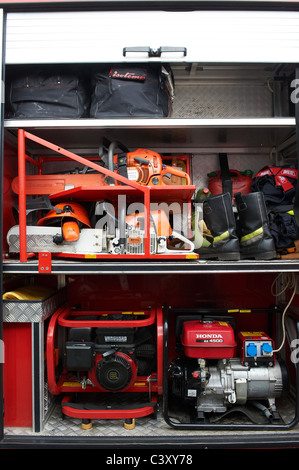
(154, 52)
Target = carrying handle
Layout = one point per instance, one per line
(152, 52)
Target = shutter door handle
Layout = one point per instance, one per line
(154, 52)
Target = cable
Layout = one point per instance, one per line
(289, 282)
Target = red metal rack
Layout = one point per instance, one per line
(129, 189)
(66, 384)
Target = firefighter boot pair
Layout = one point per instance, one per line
(255, 241)
(220, 220)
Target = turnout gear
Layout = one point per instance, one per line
(248, 237)
(219, 217)
(256, 240)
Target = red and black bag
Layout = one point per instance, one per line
(132, 90)
(278, 184)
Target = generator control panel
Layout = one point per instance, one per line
(255, 348)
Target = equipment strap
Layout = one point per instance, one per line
(227, 185)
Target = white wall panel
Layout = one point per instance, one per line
(209, 36)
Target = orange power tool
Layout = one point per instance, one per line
(146, 167)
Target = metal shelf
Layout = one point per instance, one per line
(153, 267)
(169, 134)
(147, 123)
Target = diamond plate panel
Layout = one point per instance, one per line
(219, 101)
(33, 311)
(202, 164)
(144, 427)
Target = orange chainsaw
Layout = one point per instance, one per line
(147, 168)
(142, 166)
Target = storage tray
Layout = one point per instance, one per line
(32, 311)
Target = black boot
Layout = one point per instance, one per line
(220, 220)
(256, 241)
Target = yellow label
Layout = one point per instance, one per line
(192, 256)
(252, 333)
(234, 310)
(90, 256)
(70, 384)
(132, 313)
(139, 384)
(223, 323)
(245, 311)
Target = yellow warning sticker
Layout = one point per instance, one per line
(252, 333)
(132, 313)
(70, 384)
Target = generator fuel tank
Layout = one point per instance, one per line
(208, 339)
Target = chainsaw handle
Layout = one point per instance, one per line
(188, 242)
(176, 172)
(141, 160)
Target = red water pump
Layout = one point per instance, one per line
(102, 354)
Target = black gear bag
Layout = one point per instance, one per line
(48, 94)
(132, 90)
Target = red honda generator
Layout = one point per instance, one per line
(106, 364)
(219, 371)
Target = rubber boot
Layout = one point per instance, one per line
(220, 220)
(256, 241)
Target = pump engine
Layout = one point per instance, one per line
(94, 356)
(214, 371)
(111, 357)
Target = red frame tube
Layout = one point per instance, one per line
(106, 414)
(22, 195)
(66, 319)
(51, 359)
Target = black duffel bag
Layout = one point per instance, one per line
(48, 94)
(132, 90)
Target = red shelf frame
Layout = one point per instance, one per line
(129, 188)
